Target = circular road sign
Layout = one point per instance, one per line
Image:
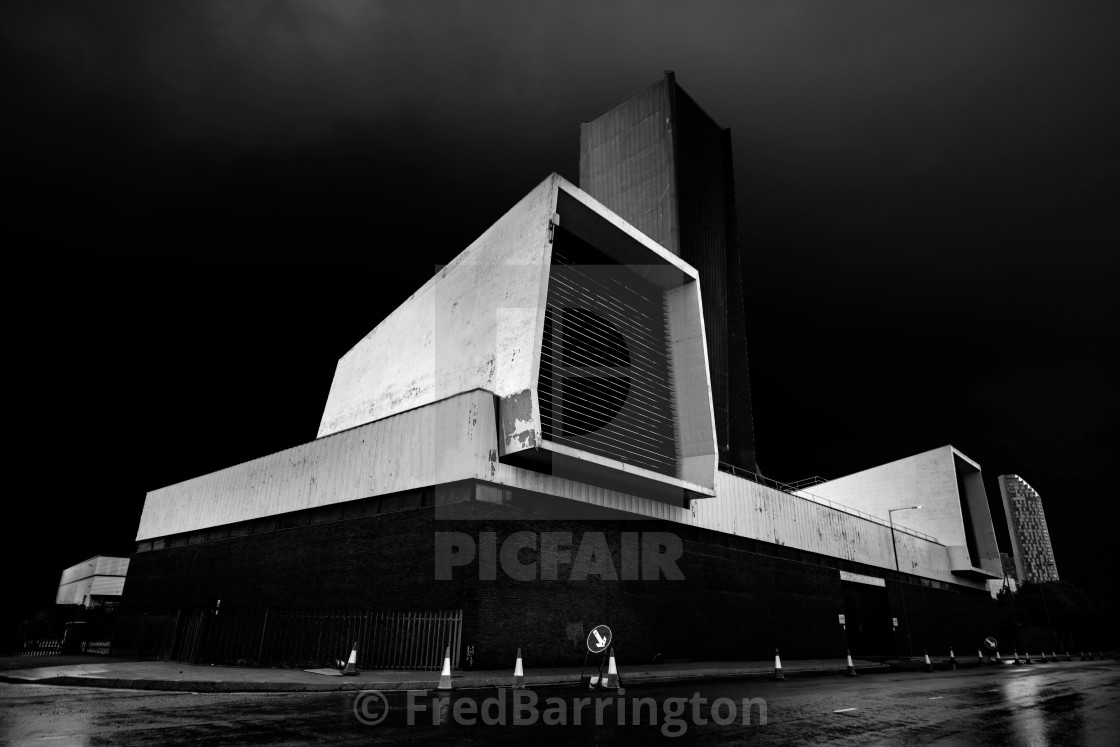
(599, 639)
(990, 643)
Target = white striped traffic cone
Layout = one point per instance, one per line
(1028, 658)
(610, 681)
(980, 656)
(518, 673)
(445, 675)
(851, 667)
(1053, 655)
(999, 659)
(952, 659)
(778, 666)
(929, 664)
(351, 669)
(1016, 662)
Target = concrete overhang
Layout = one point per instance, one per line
(480, 324)
(521, 438)
(961, 565)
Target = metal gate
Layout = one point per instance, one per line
(293, 637)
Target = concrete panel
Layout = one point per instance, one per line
(928, 479)
(453, 439)
(693, 416)
(626, 157)
(696, 430)
(476, 324)
(519, 422)
(983, 526)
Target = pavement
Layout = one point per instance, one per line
(97, 671)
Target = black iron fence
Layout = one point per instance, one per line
(304, 637)
(44, 634)
(292, 637)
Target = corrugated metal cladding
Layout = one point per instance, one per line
(74, 593)
(749, 509)
(101, 565)
(108, 566)
(107, 586)
(604, 376)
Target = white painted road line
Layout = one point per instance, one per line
(844, 710)
(937, 697)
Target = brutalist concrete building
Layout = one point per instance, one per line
(553, 433)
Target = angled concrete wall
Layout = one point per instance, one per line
(479, 325)
(934, 480)
(476, 324)
(456, 439)
(449, 440)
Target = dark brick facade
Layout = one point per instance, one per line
(738, 601)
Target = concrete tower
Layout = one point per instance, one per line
(661, 163)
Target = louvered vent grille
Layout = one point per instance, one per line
(604, 376)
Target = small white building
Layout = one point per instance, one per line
(93, 582)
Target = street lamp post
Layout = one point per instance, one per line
(898, 576)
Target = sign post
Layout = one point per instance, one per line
(598, 643)
(599, 639)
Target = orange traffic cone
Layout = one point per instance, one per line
(999, 659)
(445, 675)
(1068, 658)
(929, 664)
(1028, 659)
(1017, 662)
(952, 659)
(1083, 656)
(351, 669)
(518, 673)
(980, 656)
(851, 667)
(610, 681)
(778, 666)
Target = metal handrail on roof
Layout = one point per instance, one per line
(791, 490)
(806, 482)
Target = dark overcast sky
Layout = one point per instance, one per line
(209, 202)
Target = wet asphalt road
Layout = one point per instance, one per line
(1071, 703)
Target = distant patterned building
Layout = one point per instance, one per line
(1030, 537)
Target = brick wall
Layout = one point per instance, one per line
(733, 604)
